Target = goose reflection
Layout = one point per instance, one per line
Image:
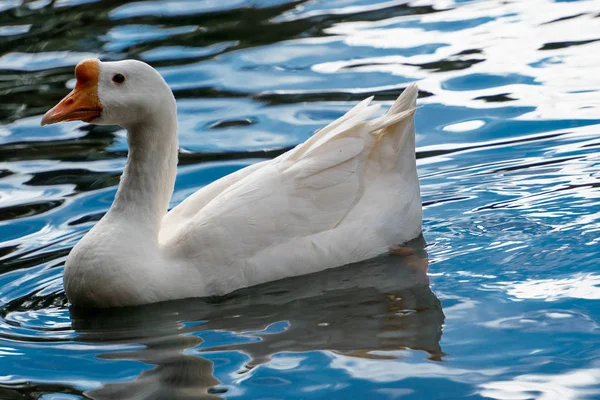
(361, 310)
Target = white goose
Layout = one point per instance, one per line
(347, 194)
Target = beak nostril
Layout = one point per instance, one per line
(69, 102)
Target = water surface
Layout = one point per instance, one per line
(501, 298)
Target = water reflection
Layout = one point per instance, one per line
(510, 177)
(174, 375)
(367, 310)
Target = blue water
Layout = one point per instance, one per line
(500, 300)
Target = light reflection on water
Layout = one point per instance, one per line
(508, 158)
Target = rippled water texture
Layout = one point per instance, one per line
(501, 302)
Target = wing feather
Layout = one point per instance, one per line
(304, 192)
(284, 199)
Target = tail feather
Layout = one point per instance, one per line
(406, 100)
(388, 128)
(379, 125)
(404, 107)
(395, 146)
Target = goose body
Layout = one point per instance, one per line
(349, 193)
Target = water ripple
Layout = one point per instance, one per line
(507, 137)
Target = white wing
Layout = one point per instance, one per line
(188, 208)
(304, 193)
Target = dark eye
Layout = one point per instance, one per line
(118, 78)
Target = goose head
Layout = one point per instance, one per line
(121, 93)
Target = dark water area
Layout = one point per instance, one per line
(501, 298)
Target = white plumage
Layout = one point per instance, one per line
(347, 194)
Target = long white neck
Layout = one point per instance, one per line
(149, 176)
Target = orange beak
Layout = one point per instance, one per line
(82, 104)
